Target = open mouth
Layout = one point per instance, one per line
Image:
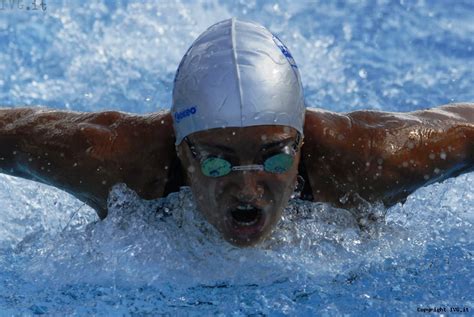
(246, 223)
(246, 215)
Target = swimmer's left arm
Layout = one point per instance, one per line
(379, 156)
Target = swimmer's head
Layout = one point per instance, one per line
(238, 114)
(236, 74)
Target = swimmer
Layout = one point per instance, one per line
(240, 136)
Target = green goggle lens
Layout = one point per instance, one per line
(217, 167)
(279, 163)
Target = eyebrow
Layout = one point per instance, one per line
(273, 144)
(269, 145)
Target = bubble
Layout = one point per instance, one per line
(442, 155)
(362, 73)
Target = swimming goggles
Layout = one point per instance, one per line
(214, 166)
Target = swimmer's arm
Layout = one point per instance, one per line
(380, 156)
(85, 154)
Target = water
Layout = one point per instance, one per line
(151, 257)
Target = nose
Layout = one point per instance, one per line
(249, 188)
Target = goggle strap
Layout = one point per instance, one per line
(297, 142)
(248, 168)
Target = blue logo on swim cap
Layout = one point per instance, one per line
(285, 51)
(179, 115)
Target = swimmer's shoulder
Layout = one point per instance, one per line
(319, 122)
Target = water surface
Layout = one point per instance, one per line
(151, 257)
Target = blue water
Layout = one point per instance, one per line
(161, 257)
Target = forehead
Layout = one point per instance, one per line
(254, 135)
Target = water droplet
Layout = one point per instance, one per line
(362, 73)
(442, 155)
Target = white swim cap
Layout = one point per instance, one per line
(236, 74)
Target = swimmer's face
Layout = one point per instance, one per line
(243, 205)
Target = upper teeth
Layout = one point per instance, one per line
(245, 207)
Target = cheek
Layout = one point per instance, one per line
(205, 193)
(200, 191)
(205, 203)
(283, 186)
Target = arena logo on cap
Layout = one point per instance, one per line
(179, 115)
(285, 51)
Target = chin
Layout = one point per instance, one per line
(240, 241)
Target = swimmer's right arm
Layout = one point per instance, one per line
(86, 154)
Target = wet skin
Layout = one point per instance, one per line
(218, 198)
(347, 160)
